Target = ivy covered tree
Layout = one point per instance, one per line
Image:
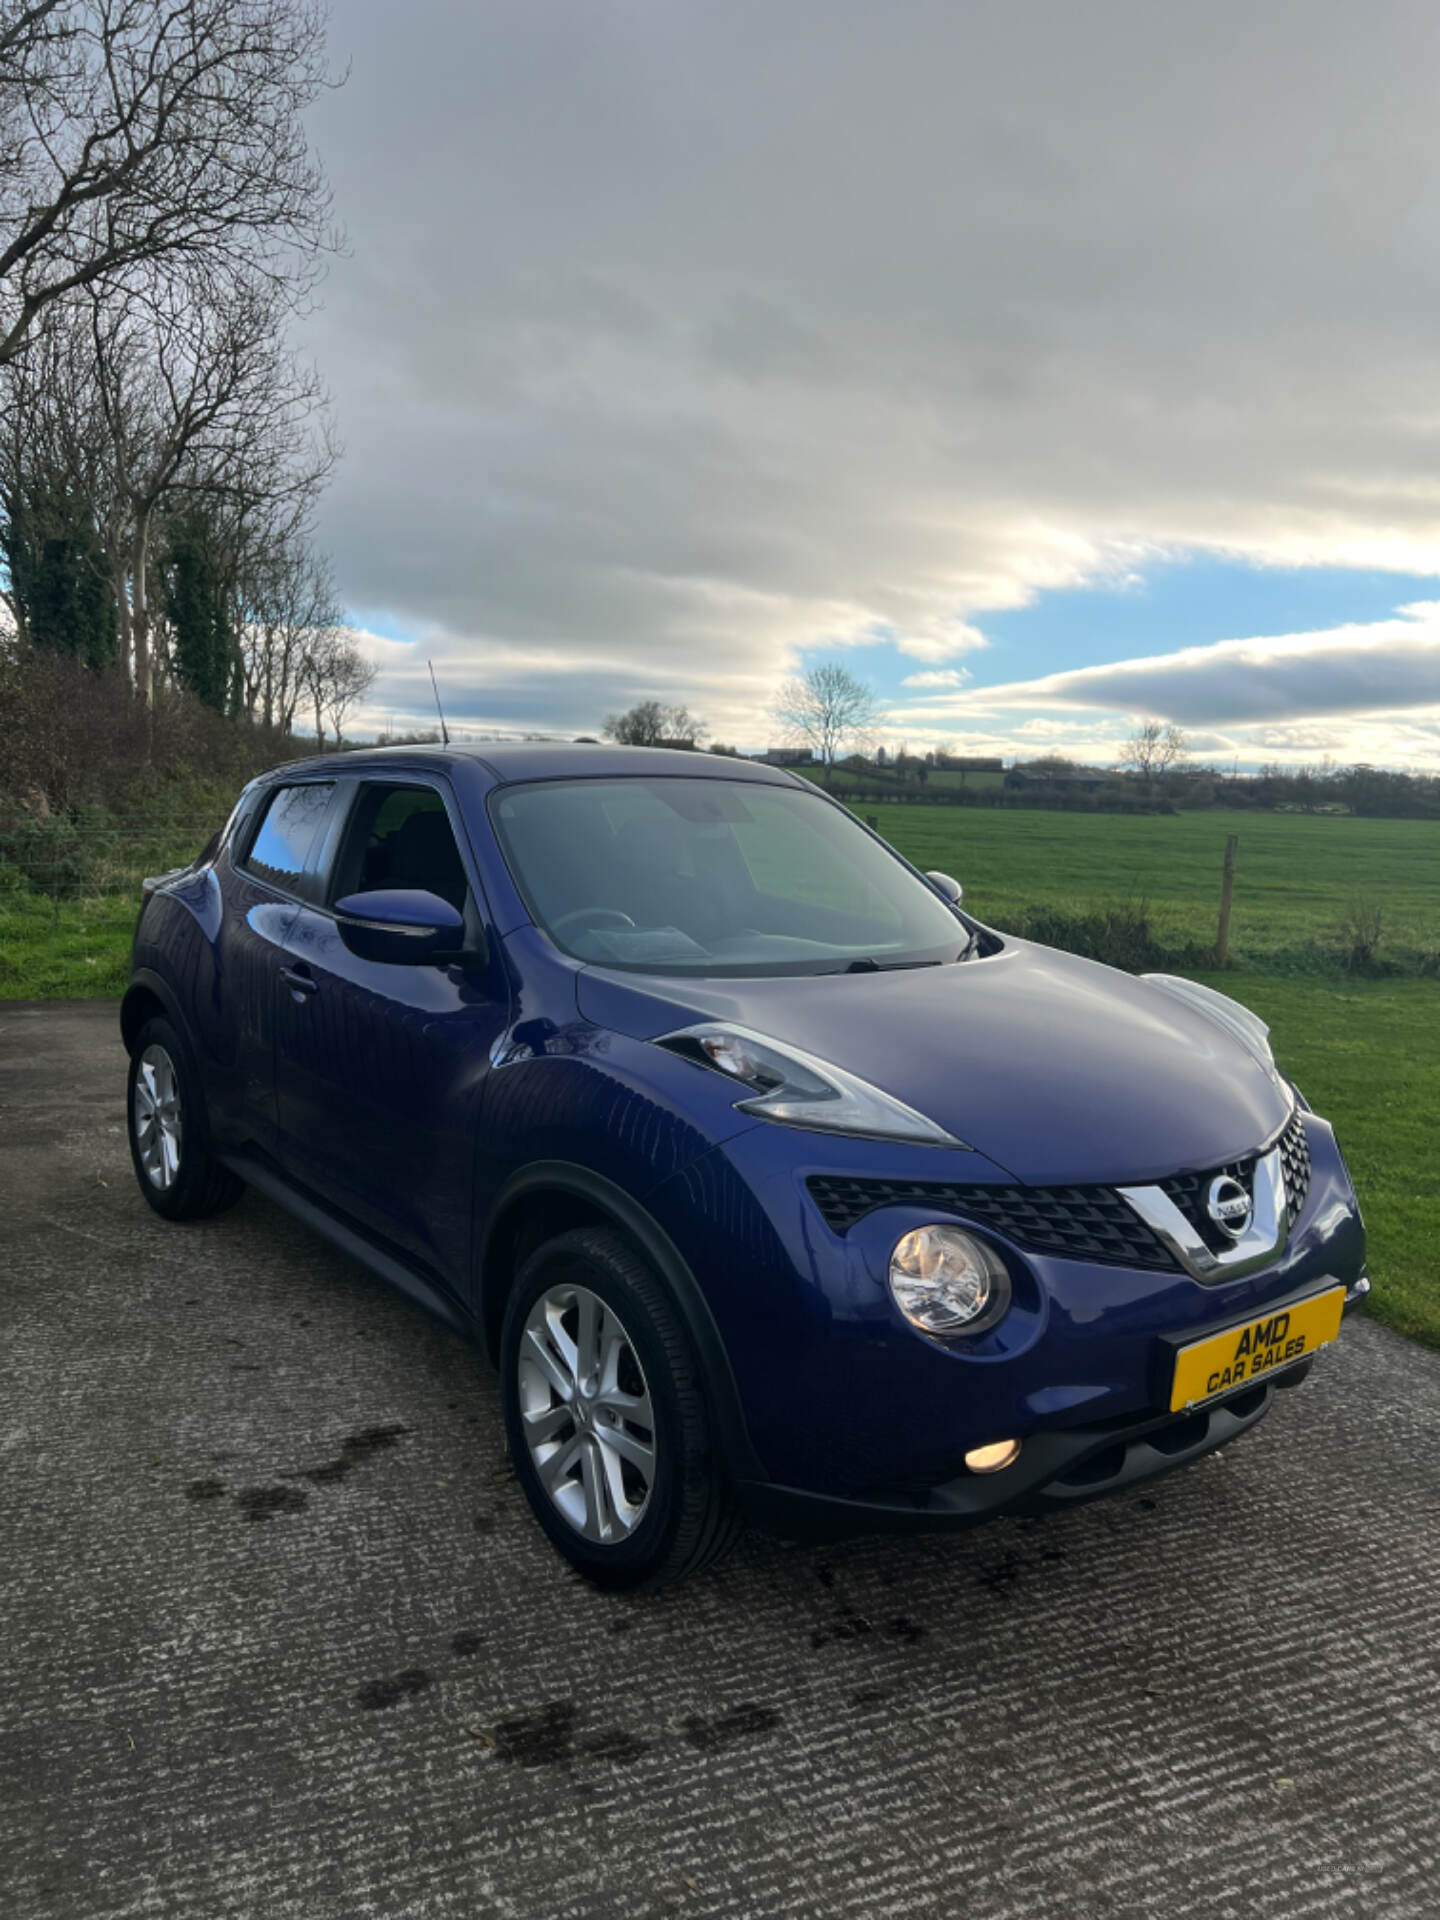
(58, 586)
(204, 656)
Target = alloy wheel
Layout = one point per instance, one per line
(585, 1413)
(156, 1111)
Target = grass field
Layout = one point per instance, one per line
(1366, 1052)
(1296, 876)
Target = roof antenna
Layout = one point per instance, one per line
(444, 731)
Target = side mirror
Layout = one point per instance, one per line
(398, 925)
(950, 891)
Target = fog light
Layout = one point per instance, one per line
(999, 1453)
(945, 1281)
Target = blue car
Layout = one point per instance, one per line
(778, 1187)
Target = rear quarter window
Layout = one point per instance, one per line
(282, 845)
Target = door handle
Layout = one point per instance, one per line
(300, 981)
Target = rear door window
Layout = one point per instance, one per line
(282, 846)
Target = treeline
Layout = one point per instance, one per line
(162, 447)
(1366, 791)
(1372, 792)
(1116, 797)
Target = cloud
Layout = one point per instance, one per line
(936, 638)
(1382, 666)
(677, 342)
(946, 677)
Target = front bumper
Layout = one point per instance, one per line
(847, 1408)
(1060, 1468)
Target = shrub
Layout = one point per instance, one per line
(1361, 930)
(73, 739)
(1119, 934)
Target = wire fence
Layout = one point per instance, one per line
(58, 860)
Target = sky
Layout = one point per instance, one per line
(1053, 366)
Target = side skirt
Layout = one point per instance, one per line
(430, 1294)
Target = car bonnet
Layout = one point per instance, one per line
(1060, 1070)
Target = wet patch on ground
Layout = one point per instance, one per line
(354, 1451)
(615, 1743)
(748, 1722)
(542, 1739)
(263, 1503)
(378, 1694)
(847, 1622)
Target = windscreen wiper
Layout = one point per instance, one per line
(868, 965)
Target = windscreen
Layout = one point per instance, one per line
(715, 876)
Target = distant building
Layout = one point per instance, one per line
(1022, 780)
(786, 756)
(968, 763)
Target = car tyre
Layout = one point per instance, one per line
(169, 1129)
(626, 1483)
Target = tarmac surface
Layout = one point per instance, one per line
(278, 1639)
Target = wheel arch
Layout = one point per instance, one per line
(146, 996)
(552, 1196)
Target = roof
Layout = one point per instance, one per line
(559, 760)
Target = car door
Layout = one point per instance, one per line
(261, 874)
(380, 1067)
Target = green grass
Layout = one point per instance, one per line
(947, 777)
(65, 949)
(1295, 877)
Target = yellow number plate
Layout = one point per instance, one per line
(1255, 1348)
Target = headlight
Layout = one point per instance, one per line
(1246, 1027)
(946, 1281)
(800, 1091)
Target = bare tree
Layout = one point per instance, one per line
(351, 678)
(335, 675)
(285, 599)
(827, 708)
(135, 132)
(1153, 750)
(651, 722)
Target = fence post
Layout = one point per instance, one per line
(1227, 891)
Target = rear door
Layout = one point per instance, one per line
(262, 874)
(381, 1067)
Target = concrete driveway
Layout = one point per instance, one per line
(277, 1637)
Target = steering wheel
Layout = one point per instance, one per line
(594, 918)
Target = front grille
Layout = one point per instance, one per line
(1188, 1190)
(1295, 1163)
(1085, 1223)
